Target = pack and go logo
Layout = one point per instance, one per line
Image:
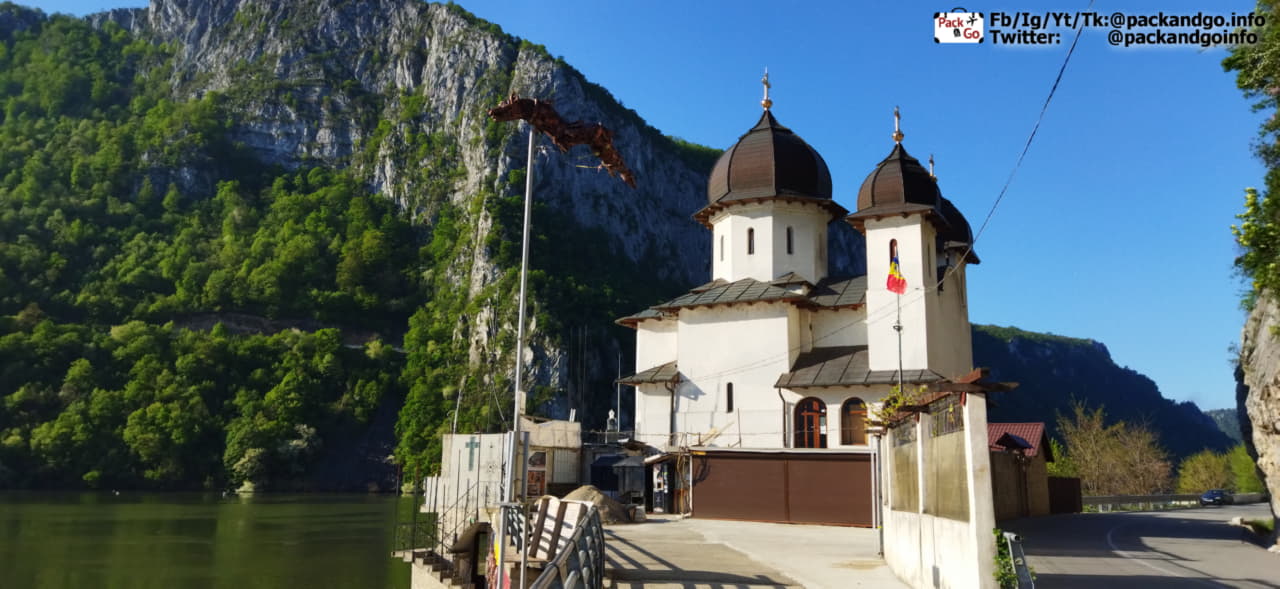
(958, 26)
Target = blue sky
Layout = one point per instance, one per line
(1116, 227)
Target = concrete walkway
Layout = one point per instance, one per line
(700, 553)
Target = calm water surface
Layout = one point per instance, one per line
(193, 541)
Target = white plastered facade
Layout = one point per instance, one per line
(750, 345)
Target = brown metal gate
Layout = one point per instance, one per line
(811, 488)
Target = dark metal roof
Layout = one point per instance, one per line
(957, 235)
(632, 320)
(747, 290)
(709, 285)
(839, 292)
(844, 366)
(830, 292)
(899, 184)
(789, 278)
(658, 374)
(769, 160)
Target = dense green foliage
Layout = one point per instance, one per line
(1203, 471)
(175, 313)
(1244, 471)
(1257, 70)
(1233, 470)
(103, 252)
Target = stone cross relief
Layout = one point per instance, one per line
(471, 453)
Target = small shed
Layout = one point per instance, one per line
(1019, 470)
(630, 473)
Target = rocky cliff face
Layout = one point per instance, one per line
(397, 89)
(1258, 390)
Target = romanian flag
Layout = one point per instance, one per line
(896, 282)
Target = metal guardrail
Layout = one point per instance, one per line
(581, 562)
(1157, 502)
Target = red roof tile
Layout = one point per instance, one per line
(1033, 433)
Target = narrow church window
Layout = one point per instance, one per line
(790, 249)
(853, 422)
(728, 406)
(810, 423)
(721, 248)
(751, 241)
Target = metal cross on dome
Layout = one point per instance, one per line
(767, 102)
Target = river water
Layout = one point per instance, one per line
(194, 541)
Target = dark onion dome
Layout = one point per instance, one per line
(957, 235)
(899, 184)
(769, 162)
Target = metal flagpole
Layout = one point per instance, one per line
(897, 326)
(517, 387)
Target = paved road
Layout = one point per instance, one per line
(668, 552)
(1185, 548)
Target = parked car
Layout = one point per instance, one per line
(1216, 497)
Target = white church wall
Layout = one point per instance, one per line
(916, 240)
(748, 346)
(808, 225)
(834, 399)
(837, 327)
(954, 345)
(653, 415)
(655, 343)
(731, 261)
(737, 263)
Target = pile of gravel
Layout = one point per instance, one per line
(611, 512)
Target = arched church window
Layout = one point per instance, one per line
(728, 391)
(790, 248)
(810, 423)
(853, 422)
(751, 241)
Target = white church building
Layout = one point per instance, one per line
(766, 375)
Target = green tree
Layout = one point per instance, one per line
(1062, 465)
(1244, 471)
(1203, 471)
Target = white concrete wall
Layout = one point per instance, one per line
(928, 551)
(935, 322)
(770, 220)
(653, 414)
(747, 345)
(656, 343)
(915, 243)
(837, 327)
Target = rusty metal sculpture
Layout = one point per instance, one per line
(543, 116)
